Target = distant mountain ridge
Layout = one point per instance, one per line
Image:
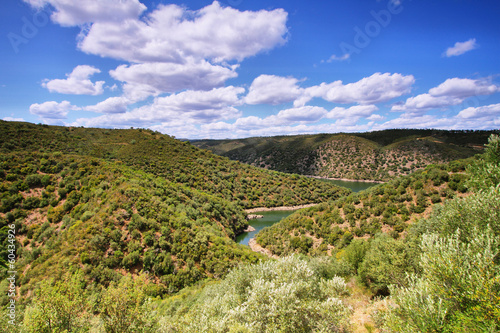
(379, 155)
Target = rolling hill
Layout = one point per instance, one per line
(115, 203)
(377, 156)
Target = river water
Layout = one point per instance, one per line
(273, 217)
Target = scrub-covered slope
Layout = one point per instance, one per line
(360, 156)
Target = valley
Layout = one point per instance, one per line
(141, 219)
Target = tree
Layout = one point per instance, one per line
(126, 308)
(387, 262)
(59, 307)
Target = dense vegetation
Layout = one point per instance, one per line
(115, 236)
(458, 288)
(444, 276)
(117, 203)
(174, 160)
(360, 156)
(389, 208)
(72, 212)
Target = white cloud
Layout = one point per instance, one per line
(171, 33)
(353, 111)
(189, 101)
(302, 114)
(13, 119)
(463, 88)
(451, 92)
(74, 13)
(487, 111)
(52, 109)
(374, 89)
(183, 109)
(136, 92)
(420, 121)
(376, 117)
(343, 57)
(253, 126)
(274, 90)
(110, 105)
(426, 102)
(77, 83)
(461, 47)
(170, 77)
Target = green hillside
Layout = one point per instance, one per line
(389, 208)
(441, 274)
(133, 231)
(361, 156)
(171, 159)
(118, 202)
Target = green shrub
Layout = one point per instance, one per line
(457, 291)
(387, 262)
(273, 296)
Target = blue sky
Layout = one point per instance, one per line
(240, 68)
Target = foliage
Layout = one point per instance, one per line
(459, 287)
(390, 206)
(458, 291)
(485, 173)
(273, 296)
(387, 262)
(59, 306)
(163, 156)
(378, 155)
(114, 218)
(124, 307)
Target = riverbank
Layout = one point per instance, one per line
(348, 180)
(273, 209)
(257, 248)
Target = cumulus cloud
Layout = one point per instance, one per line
(13, 119)
(451, 92)
(171, 77)
(170, 33)
(374, 89)
(110, 105)
(426, 102)
(274, 90)
(77, 83)
(188, 107)
(490, 111)
(353, 111)
(302, 114)
(189, 101)
(52, 109)
(461, 47)
(463, 88)
(74, 13)
(375, 117)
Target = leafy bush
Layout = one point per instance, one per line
(387, 262)
(457, 291)
(273, 296)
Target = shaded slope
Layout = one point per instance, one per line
(107, 219)
(177, 161)
(360, 156)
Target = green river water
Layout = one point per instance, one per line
(272, 217)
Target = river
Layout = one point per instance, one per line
(272, 217)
